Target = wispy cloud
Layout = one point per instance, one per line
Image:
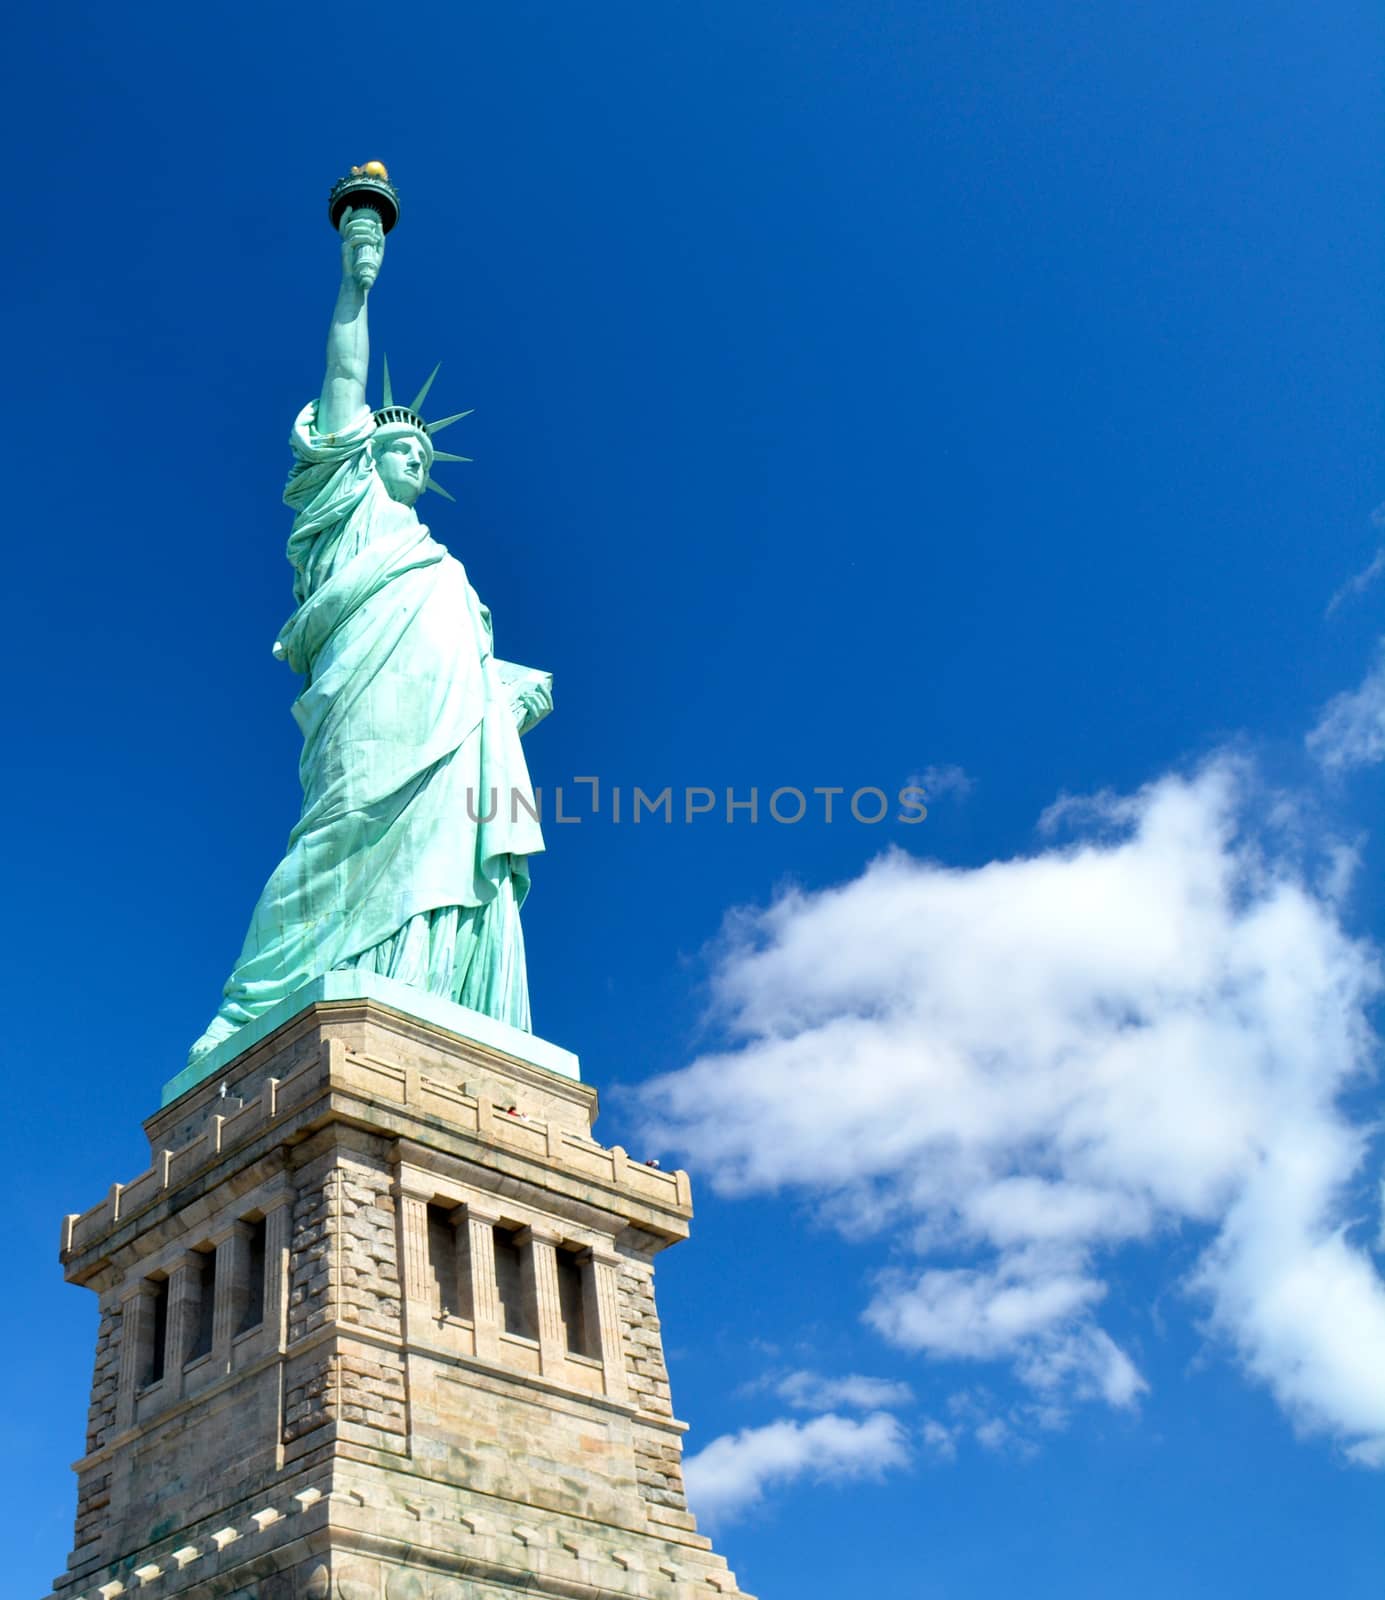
(811, 1391)
(972, 1414)
(1013, 1072)
(1363, 579)
(1351, 731)
(944, 779)
(733, 1472)
(939, 1438)
(1030, 1309)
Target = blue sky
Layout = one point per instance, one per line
(988, 394)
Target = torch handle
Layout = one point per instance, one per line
(366, 254)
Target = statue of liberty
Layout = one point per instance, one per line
(409, 859)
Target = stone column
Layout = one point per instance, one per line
(601, 1309)
(232, 1290)
(541, 1270)
(278, 1232)
(485, 1299)
(415, 1266)
(184, 1315)
(413, 1249)
(136, 1349)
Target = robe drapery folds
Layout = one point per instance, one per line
(403, 861)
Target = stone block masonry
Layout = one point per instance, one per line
(378, 1323)
(105, 1380)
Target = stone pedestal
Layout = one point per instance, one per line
(378, 1324)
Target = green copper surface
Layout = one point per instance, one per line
(401, 865)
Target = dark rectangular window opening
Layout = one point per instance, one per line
(517, 1311)
(255, 1266)
(158, 1334)
(572, 1302)
(206, 1306)
(444, 1264)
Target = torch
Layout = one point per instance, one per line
(367, 187)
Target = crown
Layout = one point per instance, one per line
(392, 418)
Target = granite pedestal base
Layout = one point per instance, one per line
(378, 1323)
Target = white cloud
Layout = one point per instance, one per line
(1021, 1208)
(1029, 1310)
(732, 1473)
(810, 1391)
(976, 1314)
(1351, 730)
(1016, 1071)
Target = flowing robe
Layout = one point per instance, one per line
(418, 815)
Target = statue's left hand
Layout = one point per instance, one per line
(533, 702)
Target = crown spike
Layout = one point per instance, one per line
(446, 455)
(416, 404)
(446, 422)
(437, 488)
(389, 388)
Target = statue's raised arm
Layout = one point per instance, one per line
(348, 342)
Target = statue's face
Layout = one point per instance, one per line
(402, 462)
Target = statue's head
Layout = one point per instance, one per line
(403, 456)
(402, 447)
